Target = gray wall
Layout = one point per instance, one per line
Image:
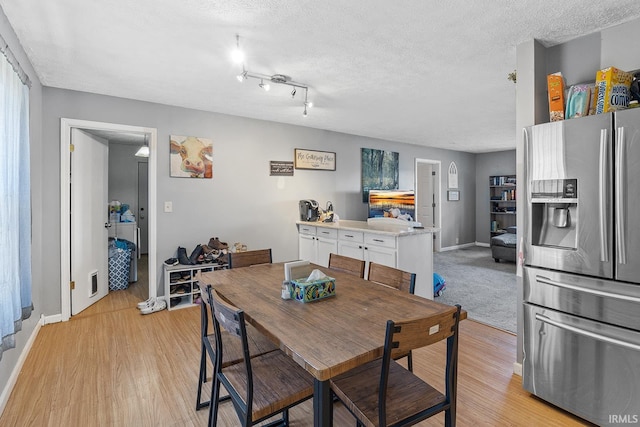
(487, 164)
(242, 203)
(123, 174)
(38, 204)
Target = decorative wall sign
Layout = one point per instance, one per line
(191, 157)
(280, 168)
(318, 160)
(379, 171)
(453, 195)
(453, 175)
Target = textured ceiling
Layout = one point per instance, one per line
(416, 71)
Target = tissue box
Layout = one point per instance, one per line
(304, 291)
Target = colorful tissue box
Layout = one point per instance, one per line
(304, 291)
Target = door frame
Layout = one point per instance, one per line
(437, 164)
(65, 198)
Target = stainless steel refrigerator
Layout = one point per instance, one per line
(582, 265)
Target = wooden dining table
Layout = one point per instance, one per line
(326, 337)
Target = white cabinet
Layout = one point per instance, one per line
(181, 289)
(412, 252)
(315, 244)
(370, 247)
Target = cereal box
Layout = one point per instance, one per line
(612, 89)
(555, 87)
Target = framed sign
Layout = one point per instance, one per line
(453, 196)
(280, 168)
(317, 160)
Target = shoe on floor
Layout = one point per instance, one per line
(146, 303)
(182, 256)
(215, 243)
(171, 261)
(157, 305)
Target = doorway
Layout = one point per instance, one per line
(113, 131)
(428, 197)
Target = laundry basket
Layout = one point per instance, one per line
(119, 264)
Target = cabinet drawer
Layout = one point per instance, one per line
(307, 229)
(380, 240)
(327, 232)
(350, 236)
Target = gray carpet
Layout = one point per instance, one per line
(484, 288)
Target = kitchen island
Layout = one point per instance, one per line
(389, 242)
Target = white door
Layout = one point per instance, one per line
(426, 196)
(351, 250)
(143, 206)
(89, 257)
(324, 248)
(307, 247)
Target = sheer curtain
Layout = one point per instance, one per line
(15, 201)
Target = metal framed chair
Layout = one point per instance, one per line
(245, 259)
(259, 386)
(400, 280)
(258, 343)
(348, 265)
(382, 393)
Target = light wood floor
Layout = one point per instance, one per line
(112, 366)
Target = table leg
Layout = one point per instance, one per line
(322, 404)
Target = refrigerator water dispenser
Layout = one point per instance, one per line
(554, 213)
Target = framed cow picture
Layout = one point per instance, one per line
(191, 157)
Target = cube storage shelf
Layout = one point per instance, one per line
(181, 289)
(502, 203)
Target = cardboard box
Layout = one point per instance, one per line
(304, 291)
(555, 88)
(612, 89)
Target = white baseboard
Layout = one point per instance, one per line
(55, 318)
(453, 248)
(517, 368)
(484, 245)
(8, 388)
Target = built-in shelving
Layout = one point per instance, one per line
(502, 203)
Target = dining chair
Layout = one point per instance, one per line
(382, 393)
(348, 265)
(258, 343)
(259, 386)
(397, 279)
(247, 258)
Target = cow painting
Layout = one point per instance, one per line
(191, 157)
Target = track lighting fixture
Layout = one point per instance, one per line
(276, 78)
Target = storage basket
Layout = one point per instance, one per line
(119, 264)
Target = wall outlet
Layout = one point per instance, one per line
(168, 206)
(457, 240)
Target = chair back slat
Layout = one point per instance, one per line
(417, 333)
(347, 265)
(393, 277)
(228, 316)
(248, 258)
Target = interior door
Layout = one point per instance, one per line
(89, 257)
(426, 195)
(143, 206)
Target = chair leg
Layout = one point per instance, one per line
(410, 361)
(213, 404)
(202, 378)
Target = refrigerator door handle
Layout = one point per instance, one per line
(602, 197)
(620, 174)
(547, 281)
(586, 333)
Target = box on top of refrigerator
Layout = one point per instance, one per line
(612, 89)
(555, 88)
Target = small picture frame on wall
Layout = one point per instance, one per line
(453, 195)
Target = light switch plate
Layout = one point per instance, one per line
(168, 206)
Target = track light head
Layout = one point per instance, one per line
(264, 86)
(304, 113)
(293, 93)
(242, 76)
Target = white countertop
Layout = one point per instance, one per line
(389, 229)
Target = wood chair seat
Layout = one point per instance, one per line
(278, 383)
(347, 265)
(258, 345)
(407, 394)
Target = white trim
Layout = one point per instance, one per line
(54, 318)
(484, 245)
(13, 378)
(438, 220)
(453, 248)
(65, 137)
(517, 368)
